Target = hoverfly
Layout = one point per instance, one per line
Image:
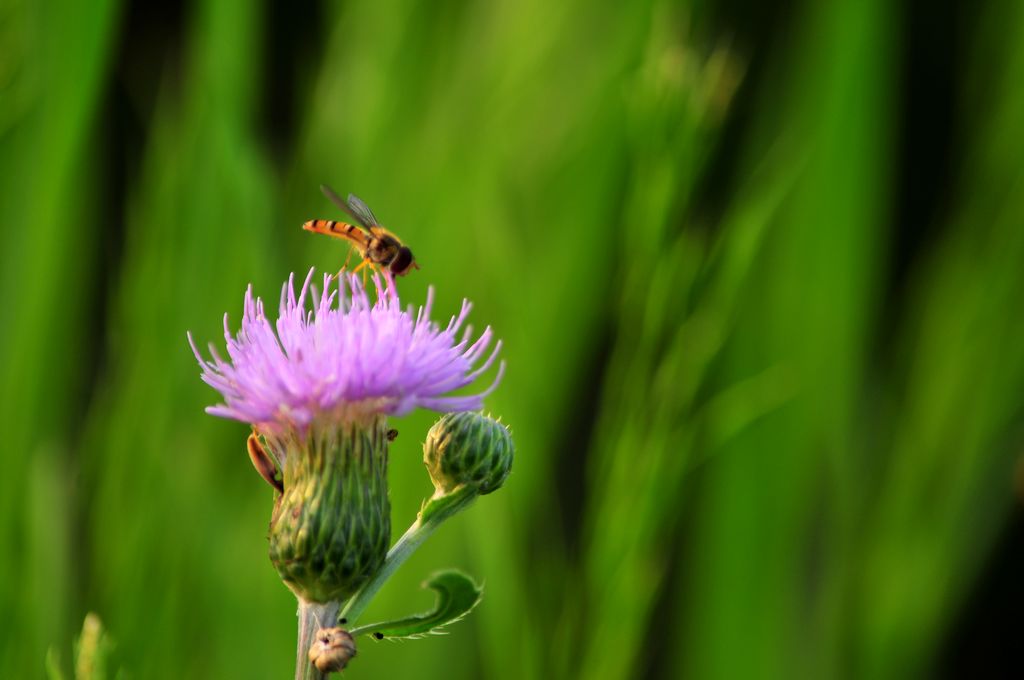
(376, 245)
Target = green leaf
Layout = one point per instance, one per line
(92, 649)
(457, 595)
(53, 670)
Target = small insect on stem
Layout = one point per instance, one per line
(392, 434)
(379, 248)
(263, 463)
(332, 650)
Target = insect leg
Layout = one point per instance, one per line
(364, 266)
(345, 266)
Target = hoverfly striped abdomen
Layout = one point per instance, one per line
(335, 228)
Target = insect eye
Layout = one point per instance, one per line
(402, 261)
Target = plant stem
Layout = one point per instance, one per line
(436, 511)
(312, 617)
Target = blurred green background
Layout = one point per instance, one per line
(759, 269)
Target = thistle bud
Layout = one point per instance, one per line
(468, 449)
(331, 526)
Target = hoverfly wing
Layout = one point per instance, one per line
(361, 211)
(353, 207)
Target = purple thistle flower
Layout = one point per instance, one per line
(344, 360)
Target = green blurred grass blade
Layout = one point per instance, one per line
(772, 500)
(47, 113)
(641, 446)
(948, 482)
(175, 511)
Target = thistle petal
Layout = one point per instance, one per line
(335, 353)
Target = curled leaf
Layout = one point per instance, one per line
(457, 595)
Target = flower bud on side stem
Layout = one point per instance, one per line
(467, 455)
(468, 449)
